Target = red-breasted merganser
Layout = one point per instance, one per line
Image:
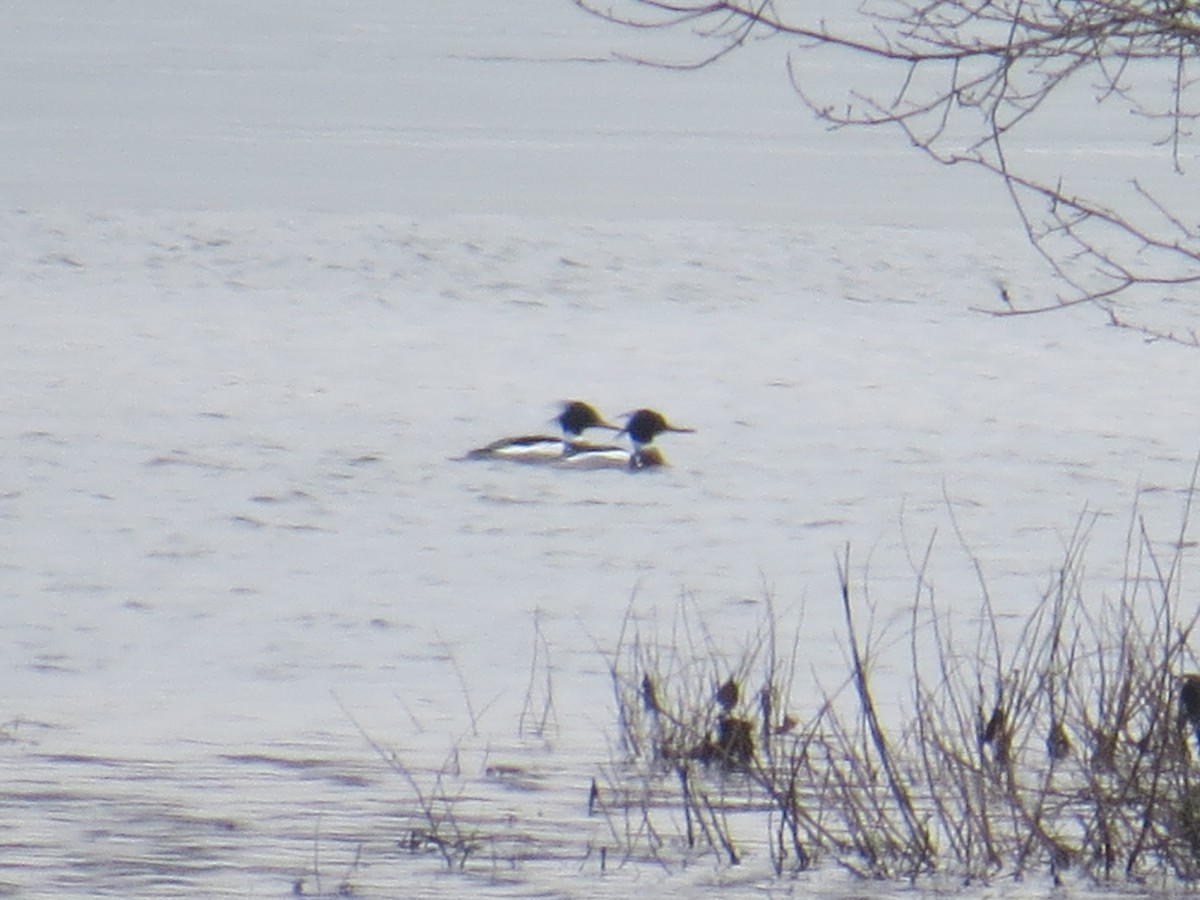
(642, 426)
(575, 418)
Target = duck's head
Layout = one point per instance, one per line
(577, 416)
(644, 425)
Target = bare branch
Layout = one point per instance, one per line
(969, 79)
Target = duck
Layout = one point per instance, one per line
(574, 419)
(642, 426)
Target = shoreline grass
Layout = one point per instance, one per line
(1072, 747)
(958, 745)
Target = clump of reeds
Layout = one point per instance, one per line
(1071, 746)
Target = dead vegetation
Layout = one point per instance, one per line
(983, 84)
(1071, 746)
(959, 743)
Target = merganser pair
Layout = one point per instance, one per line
(569, 451)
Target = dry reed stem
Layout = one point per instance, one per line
(1062, 747)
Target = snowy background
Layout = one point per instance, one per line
(271, 268)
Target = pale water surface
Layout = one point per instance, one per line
(271, 271)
